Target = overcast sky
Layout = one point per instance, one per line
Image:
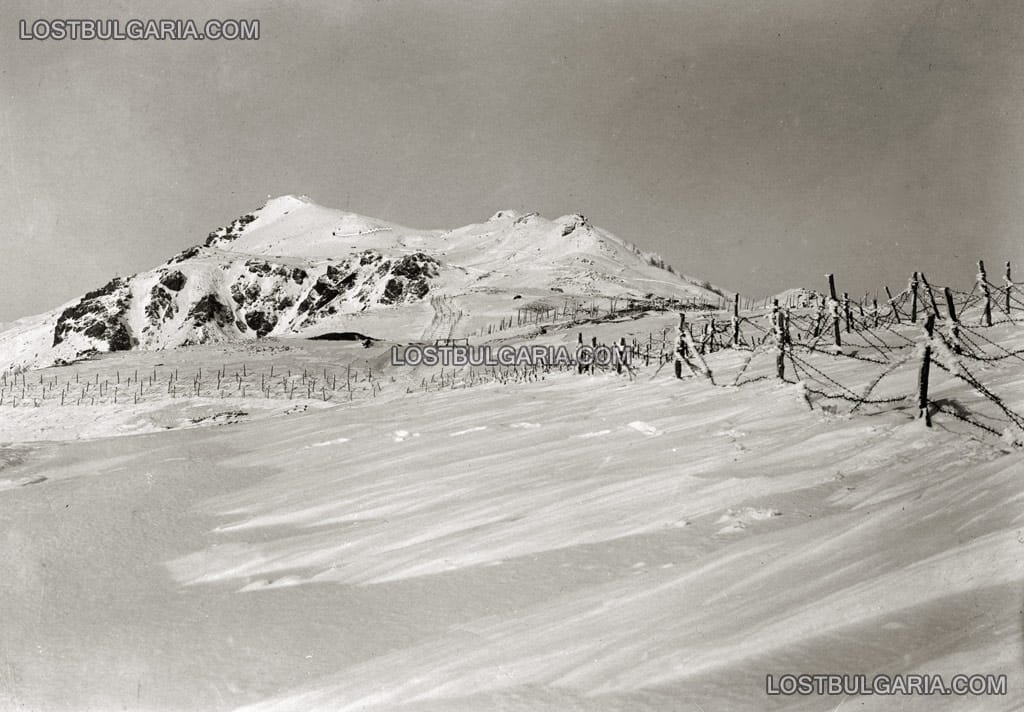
(756, 144)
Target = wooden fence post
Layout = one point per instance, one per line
(954, 325)
(1009, 285)
(913, 299)
(682, 329)
(847, 314)
(931, 294)
(834, 307)
(779, 330)
(736, 316)
(819, 317)
(922, 380)
(892, 305)
(701, 363)
(983, 285)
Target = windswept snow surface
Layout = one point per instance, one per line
(574, 543)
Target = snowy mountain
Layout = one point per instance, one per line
(800, 297)
(294, 268)
(301, 525)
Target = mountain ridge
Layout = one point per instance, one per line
(293, 268)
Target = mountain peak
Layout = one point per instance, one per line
(283, 204)
(288, 200)
(505, 215)
(293, 268)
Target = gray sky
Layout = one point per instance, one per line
(757, 144)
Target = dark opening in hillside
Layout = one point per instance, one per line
(342, 336)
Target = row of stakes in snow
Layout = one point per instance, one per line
(572, 311)
(134, 387)
(800, 324)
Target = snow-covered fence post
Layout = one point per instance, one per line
(922, 379)
(736, 320)
(983, 286)
(892, 305)
(1009, 285)
(580, 366)
(931, 294)
(778, 331)
(913, 298)
(820, 318)
(833, 305)
(679, 356)
(692, 349)
(847, 314)
(954, 325)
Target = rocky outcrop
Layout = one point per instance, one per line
(210, 298)
(410, 278)
(224, 235)
(100, 316)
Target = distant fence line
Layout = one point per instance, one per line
(134, 386)
(803, 341)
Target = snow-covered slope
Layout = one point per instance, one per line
(294, 268)
(572, 544)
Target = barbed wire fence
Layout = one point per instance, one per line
(840, 352)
